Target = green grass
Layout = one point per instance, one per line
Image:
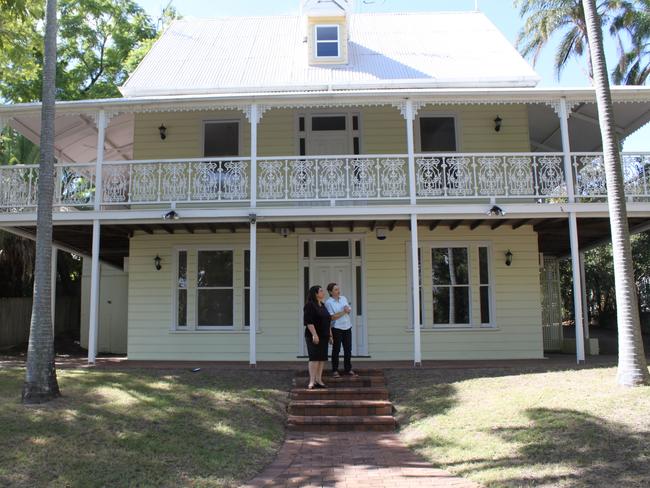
(142, 428)
(504, 428)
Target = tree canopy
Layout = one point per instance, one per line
(95, 38)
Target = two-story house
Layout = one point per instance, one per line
(408, 157)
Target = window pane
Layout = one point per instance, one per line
(221, 139)
(303, 147)
(305, 249)
(247, 308)
(327, 33)
(440, 305)
(485, 304)
(328, 123)
(332, 249)
(182, 308)
(356, 146)
(437, 134)
(215, 307)
(459, 271)
(215, 268)
(301, 124)
(182, 269)
(327, 49)
(357, 248)
(461, 305)
(355, 122)
(451, 305)
(484, 276)
(306, 281)
(247, 268)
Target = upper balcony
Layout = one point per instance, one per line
(344, 180)
(463, 148)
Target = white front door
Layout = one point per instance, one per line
(328, 262)
(328, 134)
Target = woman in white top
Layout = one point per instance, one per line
(339, 309)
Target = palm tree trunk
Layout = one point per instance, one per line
(40, 380)
(632, 366)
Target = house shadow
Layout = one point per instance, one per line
(598, 452)
(365, 60)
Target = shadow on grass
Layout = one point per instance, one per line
(597, 452)
(143, 429)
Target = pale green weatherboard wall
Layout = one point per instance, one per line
(382, 128)
(517, 290)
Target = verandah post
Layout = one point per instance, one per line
(573, 232)
(93, 325)
(254, 120)
(415, 291)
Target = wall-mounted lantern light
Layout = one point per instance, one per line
(163, 132)
(508, 257)
(156, 262)
(497, 124)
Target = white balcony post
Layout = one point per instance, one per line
(566, 149)
(573, 233)
(253, 292)
(94, 296)
(415, 291)
(101, 136)
(55, 255)
(254, 121)
(410, 146)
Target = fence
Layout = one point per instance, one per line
(16, 313)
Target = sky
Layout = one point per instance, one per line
(501, 12)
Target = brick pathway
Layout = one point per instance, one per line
(351, 460)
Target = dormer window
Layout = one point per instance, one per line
(327, 41)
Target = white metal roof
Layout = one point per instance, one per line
(244, 54)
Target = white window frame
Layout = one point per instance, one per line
(192, 289)
(429, 249)
(425, 247)
(337, 42)
(436, 115)
(240, 138)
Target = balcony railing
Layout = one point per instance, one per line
(324, 180)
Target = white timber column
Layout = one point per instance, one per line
(93, 325)
(415, 291)
(573, 233)
(94, 296)
(254, 121)
(55, 256)
(409, 116)
(253, 293)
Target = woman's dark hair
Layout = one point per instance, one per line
(311, 294)
(330, 287)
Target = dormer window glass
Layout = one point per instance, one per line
(327, 41)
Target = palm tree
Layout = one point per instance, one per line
(632, 366)
(40, 380)
(633, 67)
(546, 18)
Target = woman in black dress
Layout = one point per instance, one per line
(318, 334)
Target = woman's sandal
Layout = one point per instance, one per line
(320, 385)
(336, 374)
(311, 387)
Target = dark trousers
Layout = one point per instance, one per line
(342, 337)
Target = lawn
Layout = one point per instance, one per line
(504, 428)
(168, 428)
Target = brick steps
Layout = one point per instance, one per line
(344, 381)
(336, 423)
(348, 404)
(342, 408)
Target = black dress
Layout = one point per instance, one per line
(318, 316)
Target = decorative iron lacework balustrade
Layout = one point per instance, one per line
(589, 169)
(368, 178)
(333, 178)
(490, 175)
(196, 180)
(74, 186)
